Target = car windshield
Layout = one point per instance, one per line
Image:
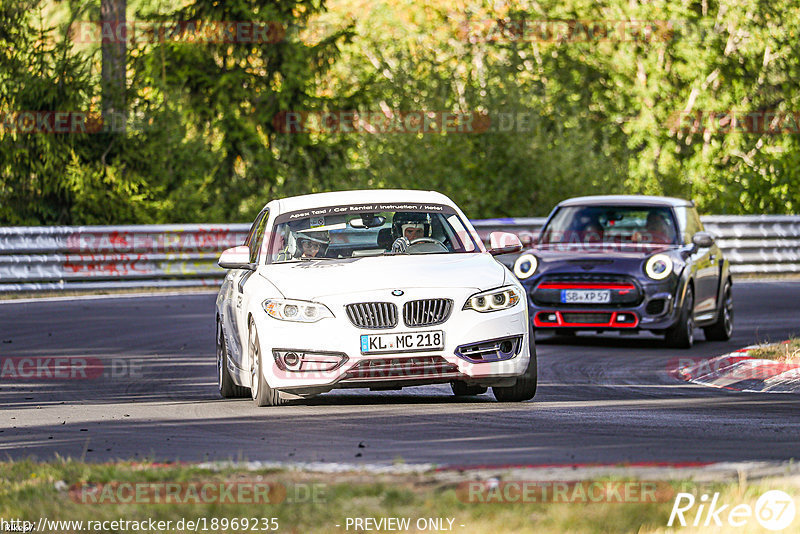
(611, 224)
(373, 230)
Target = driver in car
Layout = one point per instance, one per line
(407, 228)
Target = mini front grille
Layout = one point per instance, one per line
(372, 314)
(625, 291)
(588, 277)
(427, 312)
(587, 318)
(592, 263)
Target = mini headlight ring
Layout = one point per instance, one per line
(658, 266)
(525, 266)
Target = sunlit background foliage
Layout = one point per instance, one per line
(202, 146)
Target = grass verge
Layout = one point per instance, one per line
(787, 351)
(314, 502)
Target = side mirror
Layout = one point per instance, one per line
(529, 239)
(703, 239)
(503, 243)
(236, 258)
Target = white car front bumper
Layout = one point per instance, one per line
(338, 336)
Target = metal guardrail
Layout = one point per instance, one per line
(107, 257)
(758, 244)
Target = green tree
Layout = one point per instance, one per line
(53, 178)
(228, 95)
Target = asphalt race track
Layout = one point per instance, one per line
(605, 399)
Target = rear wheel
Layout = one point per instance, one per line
(228, 389)
(525, 387)
(723, 328)
(262, 394)
(681, 335)
(462, 389)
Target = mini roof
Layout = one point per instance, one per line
(626, 200)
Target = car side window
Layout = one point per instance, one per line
(258, 238)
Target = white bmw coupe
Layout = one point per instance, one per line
(370, 289)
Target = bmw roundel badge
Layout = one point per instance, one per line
(397, 292)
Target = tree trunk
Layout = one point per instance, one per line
(114, 47)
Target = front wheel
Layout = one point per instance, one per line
(525, 387)
(262, 394)
(723, 328)
(681, 335)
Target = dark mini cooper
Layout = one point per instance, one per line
(628, 263)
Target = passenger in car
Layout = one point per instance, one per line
(312, 244)
(593, 232)
(657, 229)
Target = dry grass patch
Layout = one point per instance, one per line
(788, 351)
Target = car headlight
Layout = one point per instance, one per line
(525, 266)
(299, 311)
(493, 300)
(658, 267)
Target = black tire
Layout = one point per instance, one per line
(262, 394)
(681, 335)
(723, 328)
(462, 389)
(228, 389)
(525, 387)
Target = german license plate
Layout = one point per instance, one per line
(585, 296)
(402, 342)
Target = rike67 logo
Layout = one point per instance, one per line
(774, 510)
